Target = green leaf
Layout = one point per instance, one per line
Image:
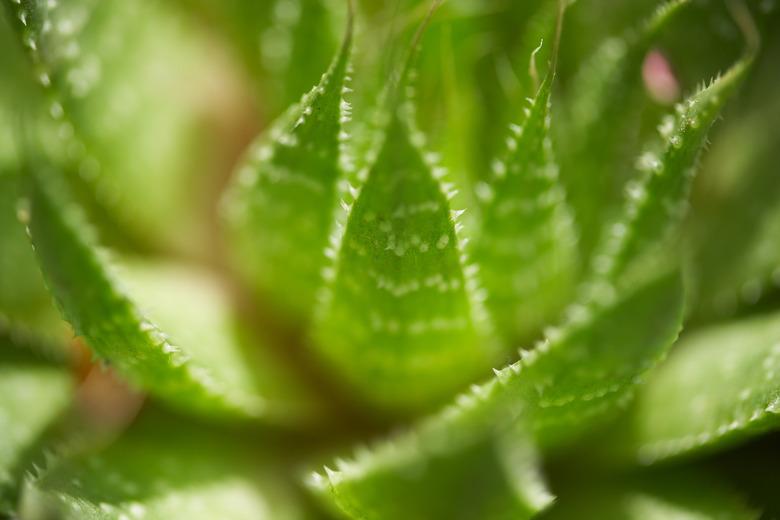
(135, 142)
(602, 114)
(681, 495)
(34, 393)
(414, 477)
(281, 205)
(720, 386)
(526, 247)
(581, 376)
(735, 260)
(163, 468)
(656, 203)
(213, 379)
(398, 320)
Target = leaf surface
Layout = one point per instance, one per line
(584, 374)
(398, 320)
(282, 203)
(526, 247)
(34, 392)
(213, 379)
(602, 117)
(682, 495)
(656, 203)
(721, 385)
(164, 468)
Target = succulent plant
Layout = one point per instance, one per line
(488, 243)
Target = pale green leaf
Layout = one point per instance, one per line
(398, 320)
(526, 247)
(582, 375)
(281, 205)
(163, 469)
(117, 101)
(92, 301)
(656, 202)
(34, 393)
(602, 119)
(682, 495)
(721, 385)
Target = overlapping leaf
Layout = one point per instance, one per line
(657, 202)
(602, 121)
(526, 247)
(167, 469)
(282, 205)
(34, 393)
(721, 385)
(399, 319)
(207, 378)
(582, 375)
(133, 138)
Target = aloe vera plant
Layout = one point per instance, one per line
(474, 260)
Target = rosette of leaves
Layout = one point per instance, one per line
(380, 248)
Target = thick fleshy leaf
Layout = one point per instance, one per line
(34, 393)
(398, 320)
(658, 200)
(162, 468)
(721, 385)
(207, 378)
(134, 139)
(601, 124)
(281, 207)
(583, 374)
(680, 495)
(526, 248)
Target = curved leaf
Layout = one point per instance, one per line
(526, 247)
(722, 385)
(583, 375)
(602, 111)
(161, 469)
(90, 299)
(397, 320)
(33, 393)
(281, 206)
(658, 201)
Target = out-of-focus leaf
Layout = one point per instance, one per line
(736, 260)
(213, 379)
(33, 393)
(657, 201)
(125, 81)
(162, 469)
(679, 496)
(720, 386)
(602, 119)
(583, 374)
(281, 207)
(399, 319)
(526, 247)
